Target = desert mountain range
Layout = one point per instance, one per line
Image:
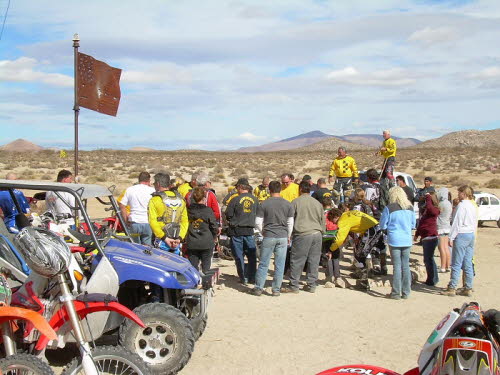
(317, 140)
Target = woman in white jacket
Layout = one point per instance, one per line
(461, 239)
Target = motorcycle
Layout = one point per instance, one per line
(465, 342)
(52, 290)
(15, 363)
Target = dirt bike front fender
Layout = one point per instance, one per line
(8, 313)
(83, 309)
(358, 370)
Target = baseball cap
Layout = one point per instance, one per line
(428, 179)
(242, 181)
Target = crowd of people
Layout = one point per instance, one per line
(305, 225)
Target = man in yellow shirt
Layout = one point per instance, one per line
(262, 191)
(370, 243)
(388, 151)
(167, 215)
(345, 170)
(289, 189)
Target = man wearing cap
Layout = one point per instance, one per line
(345, 171)
(289, 189)
(428, 188)
(240, 215)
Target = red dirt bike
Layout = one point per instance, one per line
(465, 342)
(15, 363)
(52, 291)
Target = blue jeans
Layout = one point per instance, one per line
(401, 280)
(241, 246)
(430, 265)
(144, 231)
(270, 246)
(461, 258)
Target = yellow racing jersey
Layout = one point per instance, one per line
(184, 189)
(261, 192)
(291, 192)
(161, 213)
(344, 167)
(390, 145)
(352, 221)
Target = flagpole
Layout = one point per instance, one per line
(76, 107)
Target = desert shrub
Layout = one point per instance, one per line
(494, 183)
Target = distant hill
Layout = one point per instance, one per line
(352, 141)
(332, 144)
(464, 138)
(21, 145)
(141, 149)
(298, 141)
(375, 140)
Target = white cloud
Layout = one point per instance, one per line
(488, 77)
(434, 35)
(159, 74)
(383, 78)
(24, 70)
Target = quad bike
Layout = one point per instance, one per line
(465, 342)
(52, 290)
(115, 265)
(15, 363)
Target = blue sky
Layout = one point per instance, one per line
(225, 74)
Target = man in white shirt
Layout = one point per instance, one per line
(137, 197)
(60, 205)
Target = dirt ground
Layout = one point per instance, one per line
(307, 333)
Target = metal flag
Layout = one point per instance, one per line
(98, 85)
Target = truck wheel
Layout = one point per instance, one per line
(167, 342)
(498, 223)
(199, 324)
(480, 223)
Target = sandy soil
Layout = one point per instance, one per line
(307, 333)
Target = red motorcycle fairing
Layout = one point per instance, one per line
(83, 309)
(359, 370)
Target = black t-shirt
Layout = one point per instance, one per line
(321, 193)
(240, 214)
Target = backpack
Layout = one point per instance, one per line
(173, 213)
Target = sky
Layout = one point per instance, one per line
(225, 74)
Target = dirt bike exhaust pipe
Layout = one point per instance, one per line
(67, 299)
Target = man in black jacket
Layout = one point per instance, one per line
(202, 230)
(240, 215)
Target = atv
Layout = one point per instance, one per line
(114, 264)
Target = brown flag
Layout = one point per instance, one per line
(98, 85)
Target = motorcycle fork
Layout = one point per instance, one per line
(67, 299)
(8, 343)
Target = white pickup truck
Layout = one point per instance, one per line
(489, 207)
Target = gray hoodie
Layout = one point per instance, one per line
(445, 208)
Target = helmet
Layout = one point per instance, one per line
(45, 252)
